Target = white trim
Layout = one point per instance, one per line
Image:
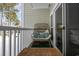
(54, 32)
(55, 8)
(64, 31)
(52, 10)
(22, 24)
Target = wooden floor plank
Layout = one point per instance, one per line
(40, 52)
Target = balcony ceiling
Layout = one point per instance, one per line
(40, 5)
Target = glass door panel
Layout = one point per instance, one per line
(58, 17)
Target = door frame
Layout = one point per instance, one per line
(54, 23)
(63, 23)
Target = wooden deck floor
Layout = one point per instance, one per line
(40, 52)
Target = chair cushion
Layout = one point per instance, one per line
(43, 35)
(40, 34)
(35, 34)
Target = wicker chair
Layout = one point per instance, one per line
(41, 27)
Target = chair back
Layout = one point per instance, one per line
(41, 27)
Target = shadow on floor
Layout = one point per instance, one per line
(43, 44)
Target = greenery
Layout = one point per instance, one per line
(11, 14)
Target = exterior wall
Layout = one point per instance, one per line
(33, 16)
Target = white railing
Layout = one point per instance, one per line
(14, 38)
(12, 44)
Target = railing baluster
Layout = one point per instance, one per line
(21, 40)
(4, 34)
(10, 41)
(14, 42)
(18, 41)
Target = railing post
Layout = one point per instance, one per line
(4, 34)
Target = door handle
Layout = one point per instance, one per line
(62, 27)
